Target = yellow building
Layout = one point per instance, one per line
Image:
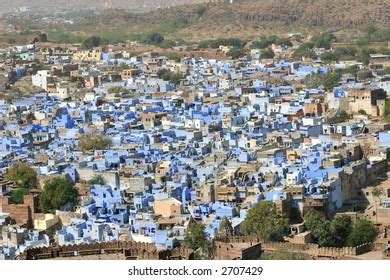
(89, 56)
(226, 193)
(45, 221)
(167, 207)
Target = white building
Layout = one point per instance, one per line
(41, 79)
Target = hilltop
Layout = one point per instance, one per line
(243, 19)
(249, 18)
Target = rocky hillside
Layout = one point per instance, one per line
(246, 18)
(243, 18)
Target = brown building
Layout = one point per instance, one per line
(226, 193)
(129, 73)
(237, 248)
(313, 109)
(22, 214)
(168, 207)
(372, 101)
(152, 119)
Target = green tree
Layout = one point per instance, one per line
(195, 237)
(25, 32)
(97, 180)
(121, 90)
(267, 53)
(236, 53)
(351, 70)
(323, 40)
(377, 192)
(332, 80)
(329, 56)
(305, 50)
(167, 44)
(320, 228)
(348, 52)
(341, 116)
(363, 55)
(214, 44)
(341, 227)
(153, 38)
(23, 176)
(57, 192)
(264, 221)
(363, 232)
(265, 42)
(204, 44)
(168, 75)
(174, 56)
(94, 140)
(17, 196)
(92, 42)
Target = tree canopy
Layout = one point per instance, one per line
(94, 140)
(362, 232)
(267, 53)
(57, 192)
(340, 231)
(236, 53)
(23, 175)
(264, 221)
(153, 38)
(323, 40)
(195, 237)
(92, 42)
(341, 116)
(168, 75)
(320, 228)
(265, 42)
(214, 44)
(118, 89)
(341, 227)
(305, 50)
(17, 196)
(97, 180)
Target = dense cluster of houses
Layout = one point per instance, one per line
(229, 134)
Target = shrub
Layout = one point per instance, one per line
(94, 140)
(23, 176)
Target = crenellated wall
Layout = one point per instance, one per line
(145, 251)
(316, 251)
(226, 248)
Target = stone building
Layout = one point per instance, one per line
(237, 248)
(22, 214)
(372, 101)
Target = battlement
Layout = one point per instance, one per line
(133, 250)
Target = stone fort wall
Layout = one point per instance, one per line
(310, 249)
(138, 250)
